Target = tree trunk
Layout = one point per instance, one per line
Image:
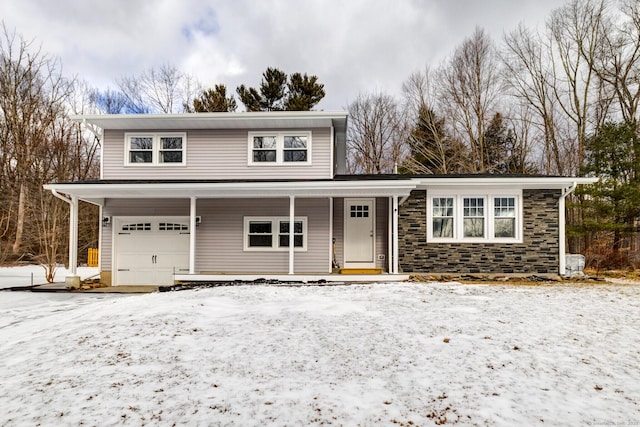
(20, 220)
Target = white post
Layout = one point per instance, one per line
(192, 236)
(395, 235)
(390, 235)
(330, 234)
(73, 236)
(292, 217)
(562, 268)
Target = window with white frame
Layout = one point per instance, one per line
(279, 148)
(474, 218)
(442, 217)
(273, 233)
(155, 149)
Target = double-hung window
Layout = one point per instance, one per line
(279, 148)
(273, 233)
(504, 217)
(442, 222)
(474, 218)
(155, 149)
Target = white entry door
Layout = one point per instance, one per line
(359, 233)
(149, 250)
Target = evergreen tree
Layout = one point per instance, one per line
(280, 92)
(502, 152)
(304, 92)
(432, 149)
(613, 203)
(213, 100)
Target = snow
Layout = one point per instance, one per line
(382, 354)
(34, 274)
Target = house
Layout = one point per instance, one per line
(214, 196)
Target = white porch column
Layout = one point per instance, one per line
(395, 235)
(331, 244)
(562, 267)
(192, 236)
(73, 236)
(292, 217)
(390, 235)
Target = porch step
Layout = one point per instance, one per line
(360, 271)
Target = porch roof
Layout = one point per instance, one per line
(97, 191)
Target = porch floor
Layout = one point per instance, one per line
(291, 278)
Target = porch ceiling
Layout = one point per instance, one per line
(96, 192)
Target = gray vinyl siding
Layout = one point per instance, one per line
(219, 238)
(217, 154)
(219, 242)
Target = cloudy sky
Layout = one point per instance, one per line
(351, 45)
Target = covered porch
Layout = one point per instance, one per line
(194, 197)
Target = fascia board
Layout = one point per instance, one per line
(504, 182)
(236, 190)
(245, 120)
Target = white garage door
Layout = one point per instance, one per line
(148, 250)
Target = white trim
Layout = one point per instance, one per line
(458, 215)
(192, 235)
(279, 148)
(292, 215)
(562, 267)
(390, 234)
(332, 172)
(330, 234)
(396, 249)
(156, 149)
(275, 227)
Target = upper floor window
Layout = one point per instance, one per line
(477, 218)
(155, 149)
(279, 148)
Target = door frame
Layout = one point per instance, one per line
(357, 264)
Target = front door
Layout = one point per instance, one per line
(359, 233)
(148, 251)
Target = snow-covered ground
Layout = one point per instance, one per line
(35, 275)
(401, 354)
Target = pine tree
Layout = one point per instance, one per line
(280, 92)
(213, 100)
(613, 203)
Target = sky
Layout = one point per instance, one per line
(353, 46)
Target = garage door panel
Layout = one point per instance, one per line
(149, 251)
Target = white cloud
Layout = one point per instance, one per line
(351, 46)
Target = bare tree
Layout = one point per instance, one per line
(376, 135)
(468, 88)
(32, 94)
(164, 89)
(616, 58)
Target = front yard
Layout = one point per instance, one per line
(384, 354)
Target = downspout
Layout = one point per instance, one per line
(73, 230)
(561, 228)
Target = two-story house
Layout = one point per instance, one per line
(223, 196)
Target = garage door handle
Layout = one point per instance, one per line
(154, 259)
(123, 269)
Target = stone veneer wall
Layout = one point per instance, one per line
(537, 254)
